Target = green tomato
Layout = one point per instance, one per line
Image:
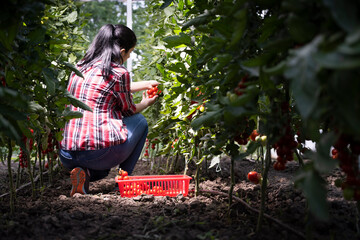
(348, 194)
(232, 97)
(338, 182)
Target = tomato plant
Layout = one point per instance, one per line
(259, 65)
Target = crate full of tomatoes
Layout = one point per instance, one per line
(157, 185)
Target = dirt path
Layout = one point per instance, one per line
(104, 214)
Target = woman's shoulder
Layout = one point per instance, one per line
(118, 69)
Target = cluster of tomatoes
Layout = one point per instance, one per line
(285, 148)
(51, 141)
(3, 81)
(153, 145)
(174, 142)
(153, 91)
(50, 145)
(347, 151)
(254, 177)
(239, 89)
(146, 154)
(200, 108)
(243, 138)
(23, 158)
(123, 175)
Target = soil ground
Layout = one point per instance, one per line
(104, 214)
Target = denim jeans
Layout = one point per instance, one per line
(125, 155)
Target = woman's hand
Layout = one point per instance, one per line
(146, 101)
(143, 85)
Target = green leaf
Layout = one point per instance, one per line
(35, 107)
(206, 119)
(76, 102)
(8, 35)
(302, 69)
(50, 80)
(258, 61)
(71, 17)
(10, 129)
(73, 68)
(176, 40)
(300, 28)
(67, 114)
(169, 11)
(222, 61)
(277, 69)
(345, 13)
(336, 60)
(37, 36)
(322, 160)
(314, 189)
(166, 4)
(199, 20)
(239, 27)
(11, 112)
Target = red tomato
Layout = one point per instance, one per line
(254, 177)
(124, 173)
(334, 151)
(126, 178)
(279, 166)
(254, 134)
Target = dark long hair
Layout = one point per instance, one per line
(106, 47)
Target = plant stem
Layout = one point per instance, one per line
(30, 172)
(18, 177)
(301, 162)
(357, 223)
(11, 184)
(50, 164)
(197, 180)
(40, 163)
(264, 186)
(232, 184)
(186, 164)
(173, 162)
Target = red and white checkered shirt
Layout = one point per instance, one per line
(110, 99)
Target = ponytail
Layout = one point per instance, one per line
(106, 47)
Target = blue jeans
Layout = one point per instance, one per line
(125, 155)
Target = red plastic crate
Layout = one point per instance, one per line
(157, 185)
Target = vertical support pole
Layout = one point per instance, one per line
(129, 25)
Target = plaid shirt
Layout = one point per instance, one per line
(110, 99)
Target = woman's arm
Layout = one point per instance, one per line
(143, 85)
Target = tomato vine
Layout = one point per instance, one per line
(300, 62)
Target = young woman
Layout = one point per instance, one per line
(114, 133)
